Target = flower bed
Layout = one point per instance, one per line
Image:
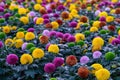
(59, 39)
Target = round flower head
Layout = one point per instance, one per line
(84, 60)
(109, 56)
(59, 35)
(52, 33)
(12, 59)
(47, 46)
(58, 61)
(115, 41)
(46, 33)
(46, 21)
(26, 59)
(20, 35)
(60, 7)
(45, 16)
(65, 15)
(1, 9)
(102, 19)
(31, 30)
(71, 60)
(97, 12)
(73, 24)
(83, 72)
(97, 54)
(71, 39)
(1, 44)
(43, 39)
(66, 35)
(102, 74)
(56, 15)
(49, 68)
(24, 19)
(96, 67)
(29, 36)
(7, 15)
(38, 53)
(24, 46)
(97, 41)
(32, 13)
(53, 48)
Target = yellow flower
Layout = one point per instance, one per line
(89, 8)
(110, 39)
(20, 35)
(109, 18)
(53, 48)
(55, 25)
(68, 0)
(26, 59)
(103, 14)
(37, 6)
(96, 48)
(98, 41)
(24, 19)
(6, 29)
(22, 11)
(96, 67)
(102, 74)
(74, 12)
(39, 1)
(9, 42)
(112, 11)
(29, 36)
(114, 1)
(18, 43)
(13, 28)
(38, 53)
(96, 24)
(39, 20)
(78, 25)
(93, 29)
(79, 36)
(72, 6)
(13, 6)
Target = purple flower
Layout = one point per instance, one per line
(107, 9)
(97, 54)
(73, 24)
(102, 19)
(12, 59)
(49, 68)
(118, 4)
(59, 34)
(31, 30)
(58, 61)
(66, 35)
(45, 16)
(24, 46)
(46, 33)
(47, 46)
(52, 33)
(1, 9)
(60, 7)
(49, 10)
(56, 15)
(115, 41)
(46, 21)
(34, 19)
(84, 60)
(7, 15)
(71, 39)
(32, 13)
(97, 12)
(1, 44)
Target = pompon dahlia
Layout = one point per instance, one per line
(58, 61)
(12, 59)
(71, 60)
(49, 68)
(83, 72)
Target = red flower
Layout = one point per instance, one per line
(43, 11)
(44, 39)
(59, 21)
(111, 27)
(117, 11)
(83, 72)
(71, 60)
(83, 19)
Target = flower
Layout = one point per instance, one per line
(20, 35)
(29, 36)
(96, 67)
(26, 59)
(39, 1)
(38, 53)
(53, 48)
(109, 56)
(59, 34)
(42, 11)
(96, 24)
(111, 39)
(22, 11)
(65, 15)
(103, 14)
(71, 60)
(73, 24)
(24, 19)
(46, 33)
(7, 15)
(97, 41)
(12, 59)
(71, 39)
(52, 33)
(2, 35)
(66, 35)
(84, 60)
(24, 46)
(1, 44)
(47, 46)
(102, 74)
(9, 42)
(58, 61)
(93, 29)
(18, 43)
(29, 45)
(97, 54)
(37, 7)
(31, 30)
(49, 68)
(109, 18)
(102, 19)
(44, 39)
(111, 27)
(39, 21)
(6, 29)
(83, 72)
(79, 36)
(83, 19)
(117, 11)
(55, 25)
(115, 41)
(96, 47)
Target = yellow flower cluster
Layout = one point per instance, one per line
(18, 43)
(9, 42)
(24, 19)
(38, 53)
(96, 24)
(26, 59)
(103, 14)
(39, 21)
(22, 11)
(93, 29)
(29, 36)
(53, 48)
(6, 29)
(37, 7)
(55, 25)
(109, 18)
(20, 35)
(79, 36)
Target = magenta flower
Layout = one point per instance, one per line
(115, 41)
(46, 21)
(1, 44)
(58, 61)
(66, 35)
(45, 16)
(12, 59)
(102, 19)
(52, 33)
(1, 9)
(7, 15)
(31, 30)
(49, 68)
(59, 34)
(71, 39)
(47, 46)
(73, 24)
(97, 54)
(84, 60)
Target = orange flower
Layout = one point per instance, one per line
(43, 39)
(83, 72)
(117, 11)
(71, 60)
(83, 19)
(65, 15)
(43, 11)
